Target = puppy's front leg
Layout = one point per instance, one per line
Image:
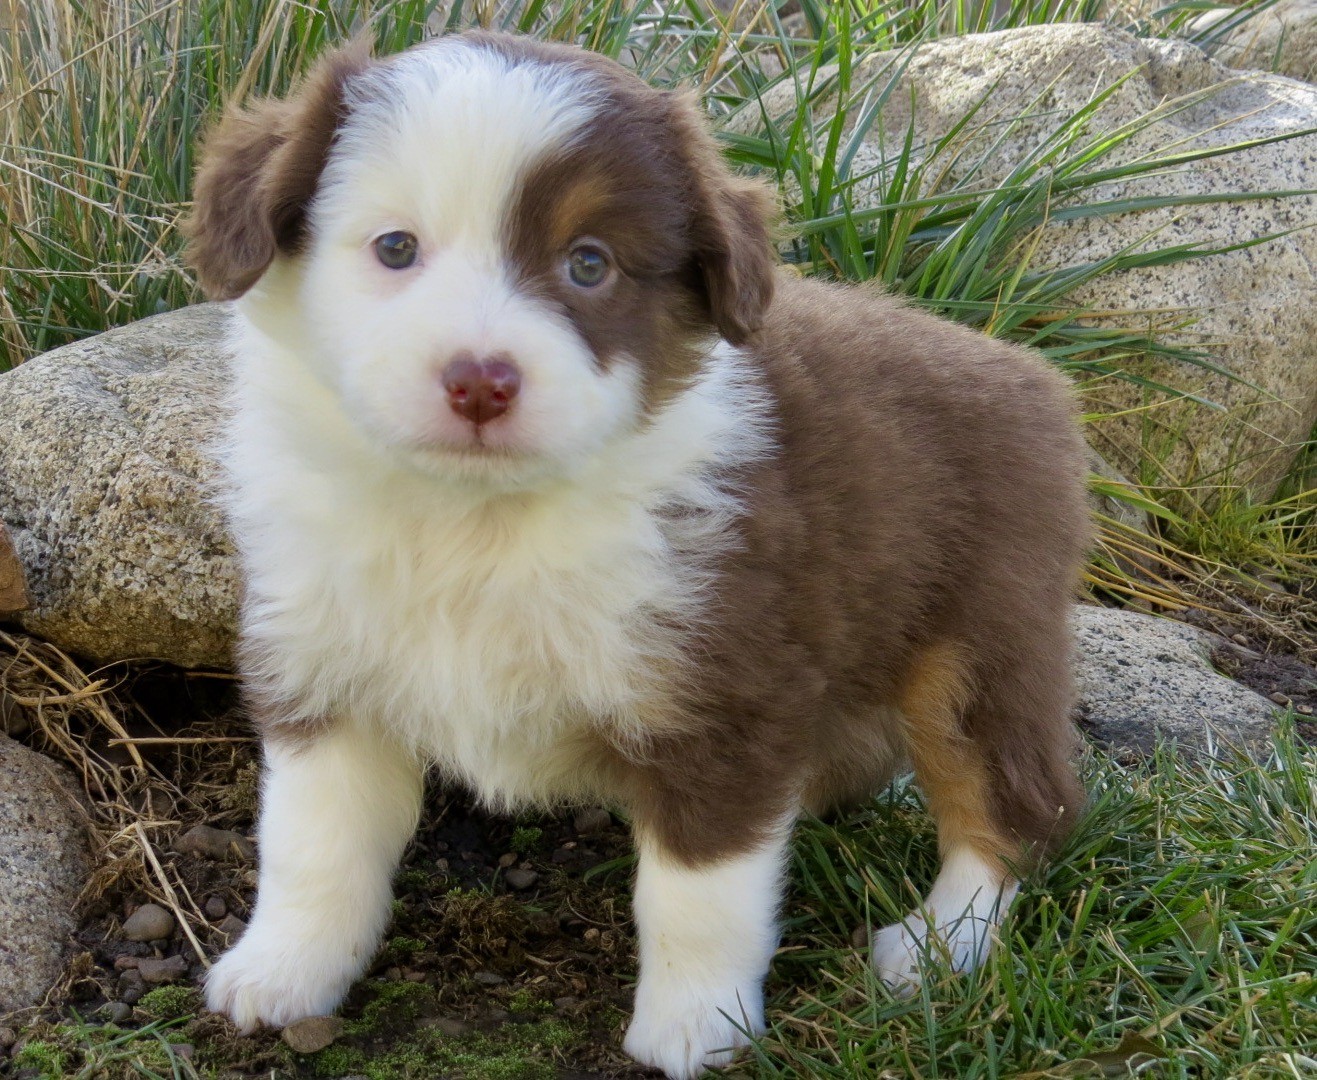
(337, 808)
(708, 930)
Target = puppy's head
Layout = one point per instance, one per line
(499, 254)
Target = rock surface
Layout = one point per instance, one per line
(1141, 678)
(44, 862)
(1283, 38)
(106, 486)
(1253, 306)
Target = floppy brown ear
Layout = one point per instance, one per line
(730, 231)
(259, 168)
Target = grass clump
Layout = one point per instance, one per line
(1181, 912)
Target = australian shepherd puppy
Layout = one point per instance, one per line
(544, 474)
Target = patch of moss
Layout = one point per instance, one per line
(413, 879)
(393, 1005)
(400, 948)
(170, 1002)
(509, 1052)
(526, 1001)
(526, 838)
(339, 1061)
(47, 1058)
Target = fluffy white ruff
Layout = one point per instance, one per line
(483, 629)
(336, 813)
(954, 927)
(706, 938)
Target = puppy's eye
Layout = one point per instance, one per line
(396, 250)
(587, 266)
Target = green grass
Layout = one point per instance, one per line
(1183, 911)
(1179, 921)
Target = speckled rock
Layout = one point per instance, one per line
(1253, 306)
(44, 862)
(1282, 38)
(1142, 679)
(106, 486)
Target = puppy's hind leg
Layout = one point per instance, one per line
(991, 755)
(337, 808)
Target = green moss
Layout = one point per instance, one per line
(170, 1002)
(526, 838)
(392, 1005)
(510, 1052)
(339, 1061)
(526, 1001)
(413, 879)
(46, 1057)
(400, 947)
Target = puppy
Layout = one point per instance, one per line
(543, 474)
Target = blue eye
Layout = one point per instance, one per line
(587, 266)
(396, 250)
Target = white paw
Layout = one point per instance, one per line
(685, 1033)
(904, 951)
(261, 981)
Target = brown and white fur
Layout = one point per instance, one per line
(738, 544)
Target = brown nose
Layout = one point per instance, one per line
(479, 390)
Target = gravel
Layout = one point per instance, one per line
(171, 969)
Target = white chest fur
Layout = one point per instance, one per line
(480, 629)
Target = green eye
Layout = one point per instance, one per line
(587, 266)
(396, 250)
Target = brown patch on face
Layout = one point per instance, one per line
(259, 169)
(689, 241)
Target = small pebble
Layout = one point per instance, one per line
(232, 927)
(415, 976)
(860, 937)
(592, 934)
(216, 843)
(215, 908)
(393, 974)
(115, 1012)
(131, 986)
(507, 859)
(1239, 639)
(1305, 709)
(450, 1026)
(441, 865)
(488, 978)
(162, 971)
(518, 878)
(595, 819)
(126, 963)
(1279, 698)
(312, 1034)
(184, 1050)
(8, 1036)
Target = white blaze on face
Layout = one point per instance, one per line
(437, 144)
